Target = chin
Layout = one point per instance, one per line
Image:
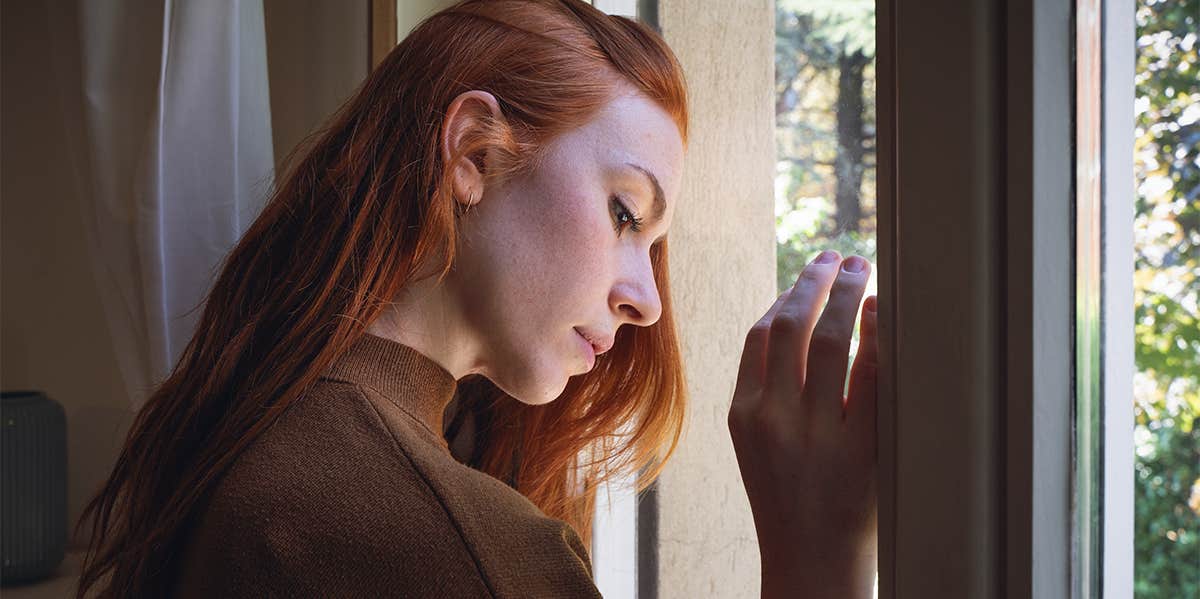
(544, 394)
(535, 390)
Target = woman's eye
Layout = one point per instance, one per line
(625, 217)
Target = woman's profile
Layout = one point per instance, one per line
(452, 322)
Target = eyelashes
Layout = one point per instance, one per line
(624, 217)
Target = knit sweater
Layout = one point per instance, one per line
(355, 493)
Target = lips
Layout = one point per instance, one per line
(600, 343)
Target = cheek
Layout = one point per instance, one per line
(564, 282)
(541, 264)
(575, 250)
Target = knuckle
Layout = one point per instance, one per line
(786, 323)
(738, 418)
(743, 422)
(758, 332)
(826, 339)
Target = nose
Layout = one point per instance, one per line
(635, 296)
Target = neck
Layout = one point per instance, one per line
(426, 318)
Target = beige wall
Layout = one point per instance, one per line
(316, 56)
(723, 279)
(411, 12)
(53, 335)
(316, 62)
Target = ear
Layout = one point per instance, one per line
(470, 115)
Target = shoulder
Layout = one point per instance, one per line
(323, 500)
(327, 457)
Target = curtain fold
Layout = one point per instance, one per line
(177, 109)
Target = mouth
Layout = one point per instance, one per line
(598, 344)
(589, 349)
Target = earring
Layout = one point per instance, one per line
(470, 201)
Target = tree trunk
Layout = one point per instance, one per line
(848, 166)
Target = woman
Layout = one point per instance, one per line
(409, 377)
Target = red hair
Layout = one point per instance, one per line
(366, 207)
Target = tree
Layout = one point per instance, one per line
(824, 60)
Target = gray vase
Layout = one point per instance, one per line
(33, 498)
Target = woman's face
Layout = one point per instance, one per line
(549, 258)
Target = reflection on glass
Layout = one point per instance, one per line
(1088, 471)
(1166, 290)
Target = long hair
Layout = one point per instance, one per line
(365, 205)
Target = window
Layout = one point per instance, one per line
(824, 135)
(1166, 275)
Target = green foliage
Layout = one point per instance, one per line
(1166, 290)
(847, 21)
(810, 38)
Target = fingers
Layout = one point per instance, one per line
(752, 370)
(787, 350)
(862, 403)
(829, 347)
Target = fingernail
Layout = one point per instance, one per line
(854, 264)
(826, 257)
(871, 304)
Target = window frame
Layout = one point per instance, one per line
(1118, 194)
(996, 407)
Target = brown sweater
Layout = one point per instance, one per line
(354, 493)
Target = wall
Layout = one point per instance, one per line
(724, 225)
(316, 56)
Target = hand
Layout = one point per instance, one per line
(807, 454)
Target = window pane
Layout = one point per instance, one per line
(825, 191)
(824, 133)
(1166, 289)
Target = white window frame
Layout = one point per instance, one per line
(1118, 194)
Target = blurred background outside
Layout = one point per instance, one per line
(1166, 288)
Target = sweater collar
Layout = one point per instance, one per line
(407, 378)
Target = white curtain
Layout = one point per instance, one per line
(179, 144)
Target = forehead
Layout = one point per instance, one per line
(632, 130)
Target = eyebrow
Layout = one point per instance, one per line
(660, 203)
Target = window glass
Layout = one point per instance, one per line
(1166, 289)
(825, 190)
(824, 134)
